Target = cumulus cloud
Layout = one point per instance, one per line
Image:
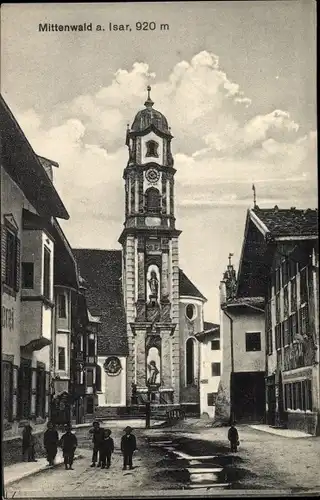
(216, 144)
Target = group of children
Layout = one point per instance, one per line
(103, 446)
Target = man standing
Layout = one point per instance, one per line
(50, 442)
(97, 437)
(128, 446)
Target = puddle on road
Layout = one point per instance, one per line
(188, 465)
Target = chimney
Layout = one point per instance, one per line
(223, 292)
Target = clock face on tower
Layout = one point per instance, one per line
(152, 175)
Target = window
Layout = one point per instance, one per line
(89, 377)
(91, 347)
(304, 320)
(24, 388)
(278, 280)
(285, 272)
(152, 149)
(12, 271)
(278, 308)
(153, 200)
(308, 395)
(41, 392)
(98, 378)
(253, 341)
(61, 358)
(191, 312)
(286, 332)
(303, 286)
(90, 405)
(7, 380)
(293, 295)
(215, 345)
(211, 398)
(268, 327)
(286, 301)
(47, 273)
(215, 369)
(190, 361)
(27, 274)
(62, 305)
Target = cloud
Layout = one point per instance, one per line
(219, 149)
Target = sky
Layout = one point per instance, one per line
(236, 81)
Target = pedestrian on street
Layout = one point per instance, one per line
(50, 442)
(128, 446)
(106, 449)
(28, 444)
(97, 437)
(68, 443)
(233, 437)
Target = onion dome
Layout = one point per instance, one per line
(150, 116)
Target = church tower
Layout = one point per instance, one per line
(150, 274)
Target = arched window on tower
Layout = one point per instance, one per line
(190, 357)
(152, 149)
(153, 200)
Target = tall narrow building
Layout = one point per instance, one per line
(150, 311)
(150, 255)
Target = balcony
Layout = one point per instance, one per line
(35, 325)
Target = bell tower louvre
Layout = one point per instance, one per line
(150, 273)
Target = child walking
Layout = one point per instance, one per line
(68, 443)
(106, 449)
(128, 446)
(28, 444)
(233, 437)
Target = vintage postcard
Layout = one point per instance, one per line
(159, 249)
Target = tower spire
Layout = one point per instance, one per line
(149, 102)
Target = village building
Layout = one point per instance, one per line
(210, 367)
(149, 309)
(42, 301)
(27, 265)
(280, 262)
(243, 353)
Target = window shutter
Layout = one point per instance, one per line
(3, 253)
(18, 265)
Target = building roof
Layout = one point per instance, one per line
(209, 330)
(150, 117)
(254, 302)
(26, 169)
(102, 271)
(187, 288)
(265, 227)
(288, 222)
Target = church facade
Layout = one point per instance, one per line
(149, 309)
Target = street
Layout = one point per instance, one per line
(193, 458)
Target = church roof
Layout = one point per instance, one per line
(186, 287)
(149, 116)
(288, 221)
(102, 271)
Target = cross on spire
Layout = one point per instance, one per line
(149, 102)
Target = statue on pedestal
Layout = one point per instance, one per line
(153, 373)
(154, 286)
